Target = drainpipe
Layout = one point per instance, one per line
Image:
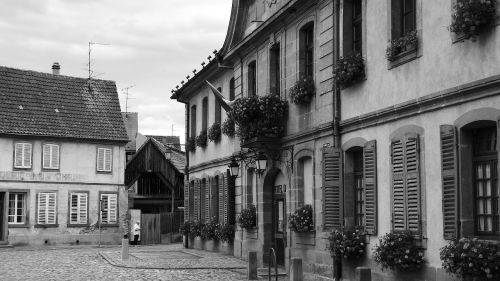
(336, 88)
(186, 169)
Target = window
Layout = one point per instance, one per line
(204, 116)
(50, 156)
(214, 198)
(305, 181)
(403, 17)
(104, 159)
(17, 208)
(109, 208)
(354, 187)
(353, 27)
(47, 208)
(231, 89)
(251, 187)
(193, 121)
(78, 211)
(306, 50)
(252, 79)
(204, 212)
(217, 109)
(274, 69)
(22, 155)
(191, 204)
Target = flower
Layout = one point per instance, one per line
(397, 251)
(349, 70)
(248, 217)
(347, 243)
(471, 18)
(303, 91)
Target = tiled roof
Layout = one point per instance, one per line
(41, 104)
(168, 140)
(178, 158)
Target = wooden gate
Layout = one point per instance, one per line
(150, 229)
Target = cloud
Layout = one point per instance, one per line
(154, 45)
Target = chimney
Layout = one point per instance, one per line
(56, 68)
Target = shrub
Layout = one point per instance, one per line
(471, 257)
(185, 228)
(398, 251)
(471, 17)
(349, 70)
(347, 243)
(302, 91)
(302, 219)
(228, 127)
(214, 132)
(191, 144)
(248, 217)
(226, 233)
(400, 45)
(196, 229)
(259, 116)
(209, 230)
(201, 139)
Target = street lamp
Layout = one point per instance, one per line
(234, 168)
(261, 163)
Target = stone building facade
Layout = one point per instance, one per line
(401, 137)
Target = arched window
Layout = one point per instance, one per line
(193, 121)
(204, 120)
(306, 50)
(203, 201)
(305, 180)
(354, 187)
(252, 79)
(353, 27)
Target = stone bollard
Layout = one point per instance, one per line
(363, 274)
(125, 249)
(252, 265)
(296, 270)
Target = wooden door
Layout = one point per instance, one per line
(279, 226)
(150, 229)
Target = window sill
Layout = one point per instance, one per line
(46, 225)
(110, 225)
(22, 169)
(18, 226)
(78, 225)
(403, 58)
(104, 172)
(47, 170)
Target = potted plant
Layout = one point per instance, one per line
(472, 17)
(302, 219)
(397, 251)
(349, 70)
(407, 43)
(248, 217)
(201, 139)
(209, 230)
(302, 91)
(225, 233)
(214, 132)
(228, 127)
(185, 229)
(191, 144)
(471, 259)
(347, 243)
(196, 227)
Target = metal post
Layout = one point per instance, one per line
(99, 218)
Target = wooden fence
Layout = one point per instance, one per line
(170, 222)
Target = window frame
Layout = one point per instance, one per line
(22, 167)
(101, 193)
(205, 111)
(192, 118)
(56, 210)
(275, 69)
(26, 208)
(58, 156)
(78, 192)
(252, 78)
(104, 171)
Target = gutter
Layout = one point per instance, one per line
(336, 88)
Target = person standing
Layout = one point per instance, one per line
(137, 231)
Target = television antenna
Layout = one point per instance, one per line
(125, 90)
(91, 72)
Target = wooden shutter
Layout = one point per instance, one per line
(370, 182)
(73, 212)
(78, 210)
(197, 199)
(226, 199)
(332, 191)
(230, 191)
(186, 200)
(46, 156)
(449, 171)
(100, 159)
(413, 184)
(42, 208)
(55, 156)
(398, 186)
(221, 199)
(214, 196)
(50, 156)
(22, 155)
(191, 201)
(104, 208)
(108, 159)
(113, 208)
(47, 208)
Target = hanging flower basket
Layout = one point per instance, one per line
(248, 217)
(349, 70)
(228, 127)
(201, 139)
(302, 219)
(402, 45)
(191, 144)
(214, 132)
(397, 251)
(471, 258)
(347, 243)
(472, 17)
(303, 91)
(259, 116)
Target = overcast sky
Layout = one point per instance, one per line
(154, 44)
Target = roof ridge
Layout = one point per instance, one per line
(52, 75)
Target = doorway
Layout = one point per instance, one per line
(279, 218)
(3, 218)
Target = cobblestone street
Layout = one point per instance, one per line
(163, 262)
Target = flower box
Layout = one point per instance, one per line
(472, 17)
(398, 251)
(348, 243)
(214, 132)
(201, 139)
(302, 219)
(349, 70)
(302, 91)
(248, 217)
(401, 47)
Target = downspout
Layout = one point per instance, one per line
(336, 88)
(186, 169)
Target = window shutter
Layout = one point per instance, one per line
(27, 155)
(413, 184)
(398, 186)
(214, 204)
(46, 156)
(42, 208)
(370, 182)
(230, 191)
(113, 208)
(55, 156)
(226, 200)
(221, 199)
(332, 192)
(202, 200)
(186, 201)
(449, 169)
(73, 212)
(107, 159)
(197, 200)
(82, 219)
(104, 208)
(100, 159)
(18, 155)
